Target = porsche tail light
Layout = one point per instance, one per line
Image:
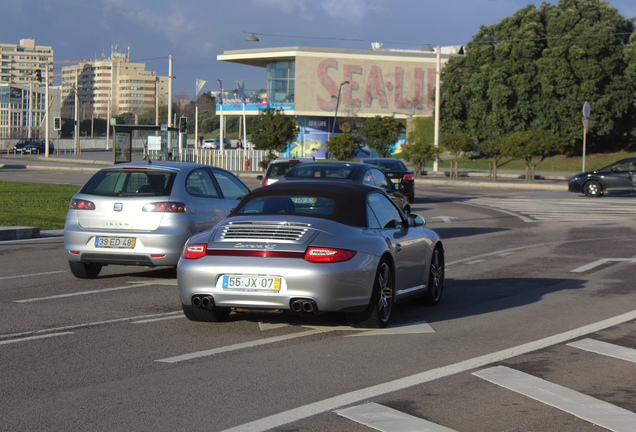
(195, 250)
(167, 207)
(324, 255)
(80, 204)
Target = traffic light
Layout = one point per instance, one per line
(38, 75)
(183, 124)
(57, 123)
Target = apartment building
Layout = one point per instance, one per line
(19, 63)
(113, 84)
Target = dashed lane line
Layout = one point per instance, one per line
(32, 275)
(606, 349)
(81, 293)
(578, 404)
(385, 419)
(86, 325)
(30, 338)
(236, 347)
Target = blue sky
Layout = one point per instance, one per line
(194, 32)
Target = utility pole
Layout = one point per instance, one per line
(76, 129)
(169, 101)
(46, 111)
(438, 72)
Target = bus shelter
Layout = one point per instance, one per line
(136, 143)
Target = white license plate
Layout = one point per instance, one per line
(395, 180)
(115, 242)
(251, 283)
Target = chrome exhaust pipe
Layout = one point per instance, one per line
(297, 306)
(207, 302)
(303, 306)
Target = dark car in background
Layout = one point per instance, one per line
(619, 177)
(38, 146)
(23, 142)
(352, 172)
(398, 173)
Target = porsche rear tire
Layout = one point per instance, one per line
(378, 312)
(206, 315)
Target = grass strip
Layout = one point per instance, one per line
(35, 204)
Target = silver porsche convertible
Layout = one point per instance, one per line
(308, 248)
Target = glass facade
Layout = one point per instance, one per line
(281, 80)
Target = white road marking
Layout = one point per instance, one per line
(446, 219)
(408, 328)
(606, 349)
(85, 325)
(386, 419)
(30, 338)
(146, 321)
(356, 396)
(241, 346)
(414, 328)
(59, 296)
(601, 262)
(31, 275)
(583, 406)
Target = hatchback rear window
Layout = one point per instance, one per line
(130, 183)
(279, 169)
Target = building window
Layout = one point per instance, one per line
(281, 81)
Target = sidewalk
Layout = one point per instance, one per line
(93, 161)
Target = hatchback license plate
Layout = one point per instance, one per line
(251, 283)
(115, 242)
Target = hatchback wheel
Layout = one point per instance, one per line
(593, 189)
(83, 270)
(378, 312)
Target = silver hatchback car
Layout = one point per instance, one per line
(142, 214)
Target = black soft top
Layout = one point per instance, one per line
(349, 198)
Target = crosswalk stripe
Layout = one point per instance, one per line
(607, 349)
(531, 210)
(585, 407)
(387, 419)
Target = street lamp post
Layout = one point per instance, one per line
(335, 117)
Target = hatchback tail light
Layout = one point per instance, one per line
(264, 182)
(195, 250)
(407, 177)
(168, 207)
(324, 255)
(80, 204)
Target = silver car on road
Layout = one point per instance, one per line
(143, 213)
(310, 247)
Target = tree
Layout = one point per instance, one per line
(536, 69)
(381, 133)
(420, 146)
(343, 147)
(457, 144)
(493, 150)
(273, 131)
(532, 147)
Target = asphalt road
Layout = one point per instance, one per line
(535, 332)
